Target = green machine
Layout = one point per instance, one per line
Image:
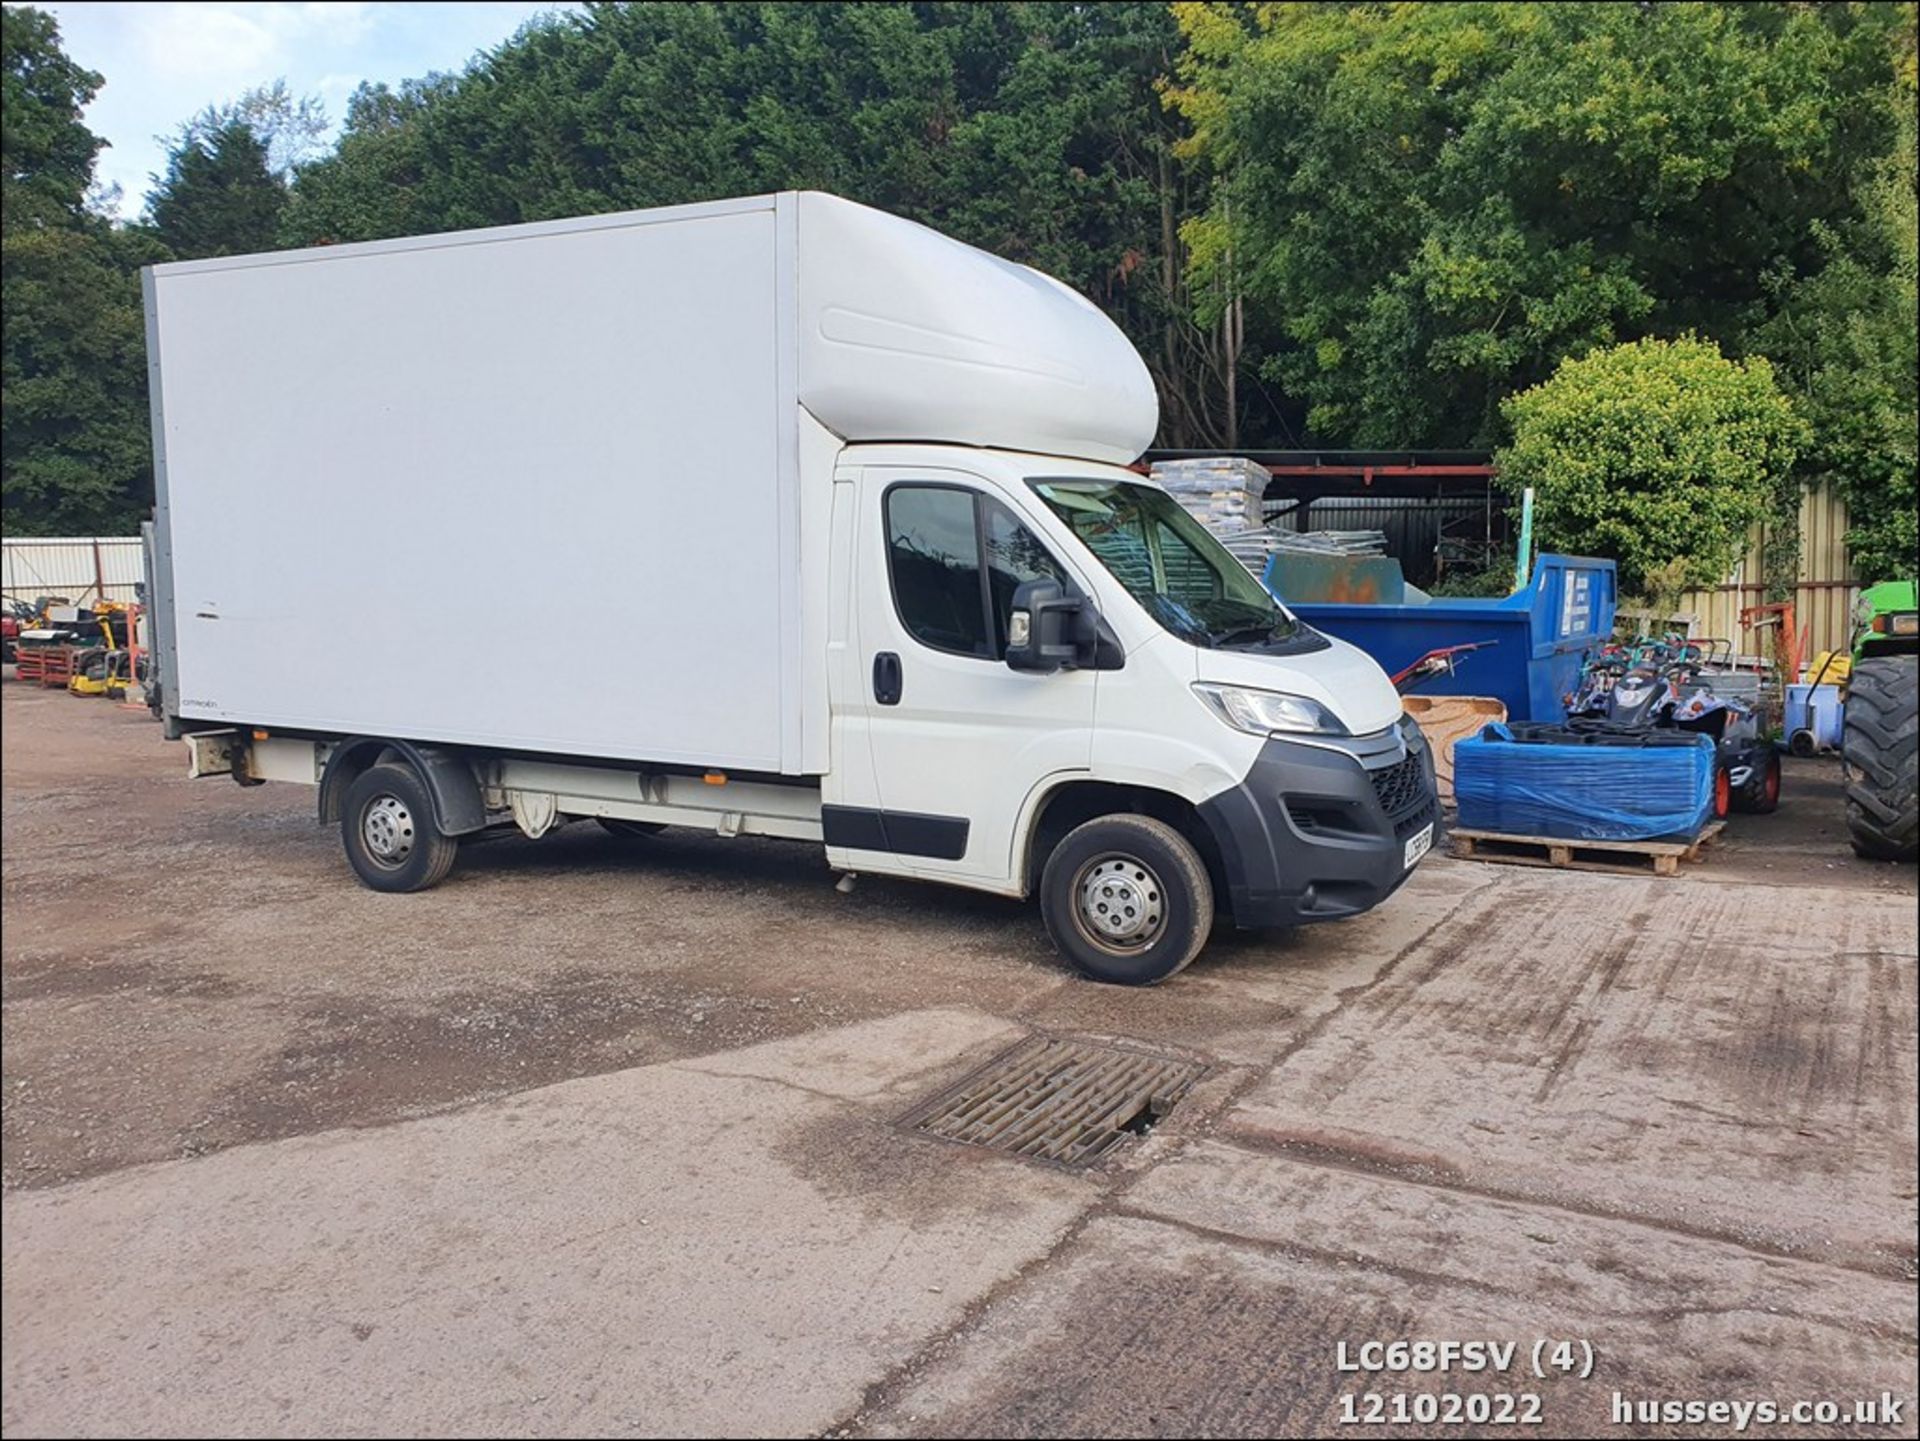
(1881, 747)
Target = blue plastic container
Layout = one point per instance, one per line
(1816, 711)
(1584, 792)
(1541, 634)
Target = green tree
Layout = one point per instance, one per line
(1660, 454)
(219, 195)
(371, 187)
(75, 442)
(292, 128)
(1848, 340)
(46, 153)
(1428, 207)
(74, 448)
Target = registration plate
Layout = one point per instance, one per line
(1419, 843)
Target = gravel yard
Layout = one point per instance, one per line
(604, 1136)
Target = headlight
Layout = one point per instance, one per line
(1268, 712)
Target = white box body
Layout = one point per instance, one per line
(563, 488)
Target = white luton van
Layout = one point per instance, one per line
(778, 516)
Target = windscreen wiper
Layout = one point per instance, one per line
(1242, 632)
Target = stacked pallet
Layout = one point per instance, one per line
(1222, 492)
(1331, 542)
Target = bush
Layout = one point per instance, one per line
(1660, 454)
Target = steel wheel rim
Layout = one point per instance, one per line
(386, 826)
(1119, 904)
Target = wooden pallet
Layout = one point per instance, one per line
(1611, 857)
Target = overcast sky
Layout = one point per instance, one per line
(165, 62)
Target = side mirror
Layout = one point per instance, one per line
(1049, 630)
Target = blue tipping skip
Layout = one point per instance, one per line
(1541, 634)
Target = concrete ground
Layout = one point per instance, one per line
(604, 1137)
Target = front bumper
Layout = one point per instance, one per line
(1318, 829)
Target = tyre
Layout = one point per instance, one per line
(1881, 738)
(387, 827)
(629, 830)
(1722, 792)
(1760, 796)
(1126, 900)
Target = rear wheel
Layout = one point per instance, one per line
(1126, 900)
(386, 825)
(1760, 796)
(1880, 748)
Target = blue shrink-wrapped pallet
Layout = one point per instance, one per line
(1584, 788)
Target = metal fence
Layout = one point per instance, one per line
(1431, 536)
(1823, 597)
(81, 568)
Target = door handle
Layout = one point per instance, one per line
(886, 678)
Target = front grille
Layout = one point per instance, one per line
(1401, 787)
(1413, 820)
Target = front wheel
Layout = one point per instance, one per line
(387, 827)
(1126, 900)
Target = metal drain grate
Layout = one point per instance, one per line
(1067, 1102)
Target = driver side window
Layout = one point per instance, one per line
(955, 558)
(1014, 556)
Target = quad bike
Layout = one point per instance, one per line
(1880, 728)
(1664, 685)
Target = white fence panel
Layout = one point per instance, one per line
(82, 568)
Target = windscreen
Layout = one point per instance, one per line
(1186, 579)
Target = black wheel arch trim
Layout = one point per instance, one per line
(457, 805)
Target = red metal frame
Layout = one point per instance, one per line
(48, 665)
(1367, 473)
(1787, 648)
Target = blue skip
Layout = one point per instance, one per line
(1536, 637)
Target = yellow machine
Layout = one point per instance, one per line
(108, 670)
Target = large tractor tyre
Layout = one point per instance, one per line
(1880, 752)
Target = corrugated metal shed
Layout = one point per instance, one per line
(79, 567)
(1823, 599)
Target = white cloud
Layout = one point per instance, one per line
(345, 21)
(229, 43)
(202, 41)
